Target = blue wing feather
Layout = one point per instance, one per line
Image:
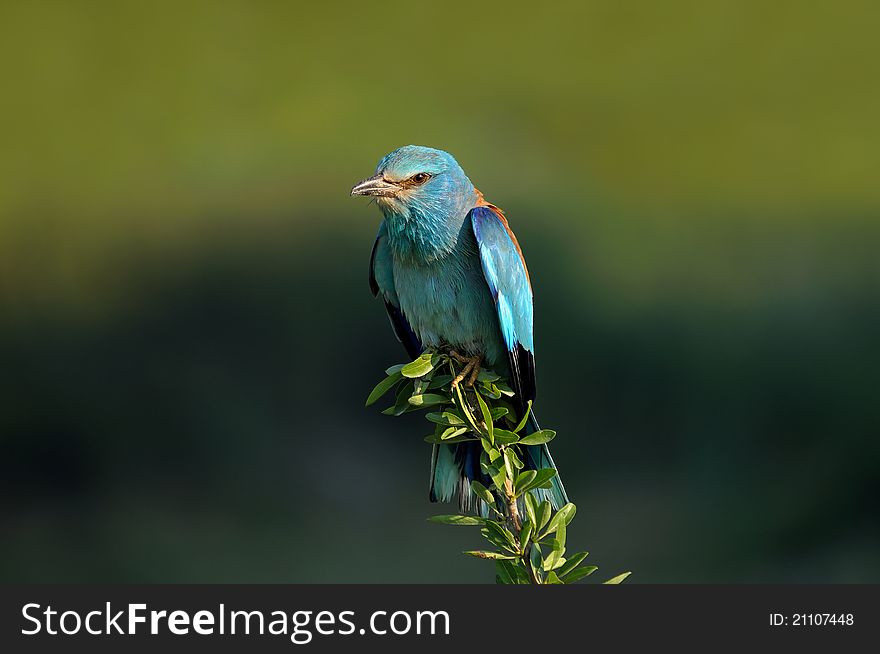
(508, 280)
(382, 283)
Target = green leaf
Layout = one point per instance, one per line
(563, 517)
(487, 465)
(466, 411)
(499, 535)
(468, 520)
(571, 563)
(538, 437)
(421, 366)
(617, 579)
(483, 493)
(535, 560)
(499, 412)
(532, 510)
(487, 376)
(489, 390)
(504, 389)
(453, 432)
(394, 369)
(497, 556)
(438, 381)
(561, 533)
(514, 571)
(383, 387)
(522, 574)
(496, 473)
(544, 514)
(524, 534)
(436, 439)
(510, 463)
(504, 572)
(510, 418)
(574, 575)
(446, 418)
(487, 418)
(554, 558)
(402, 404)
(523, 479)
(420, 384)
(505, 437)
(541, 480)
(552, 578)
(522, 422)
(428, 399)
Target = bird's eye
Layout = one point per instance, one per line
(420, 178)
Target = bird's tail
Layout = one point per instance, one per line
(454, 467)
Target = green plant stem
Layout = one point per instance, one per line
(516, 523)
(508, 501)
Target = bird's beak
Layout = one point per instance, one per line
(377, 186)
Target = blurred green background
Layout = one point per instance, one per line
(187, 337)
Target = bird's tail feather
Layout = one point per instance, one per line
(454, 467)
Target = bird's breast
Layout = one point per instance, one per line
(447, 302)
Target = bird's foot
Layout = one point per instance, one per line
(470, 371)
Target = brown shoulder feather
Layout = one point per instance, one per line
(481, 202)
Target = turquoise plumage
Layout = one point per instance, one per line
(451, 273)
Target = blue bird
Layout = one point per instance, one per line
(451, 274)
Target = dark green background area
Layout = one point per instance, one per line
(187, 337)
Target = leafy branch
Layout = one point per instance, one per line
(528, 537)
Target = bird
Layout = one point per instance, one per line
(451, 274)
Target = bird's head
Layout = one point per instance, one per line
(416, 181)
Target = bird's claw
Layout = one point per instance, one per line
(470, 371)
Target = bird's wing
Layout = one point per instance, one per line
(382, 283)
(508, 278)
